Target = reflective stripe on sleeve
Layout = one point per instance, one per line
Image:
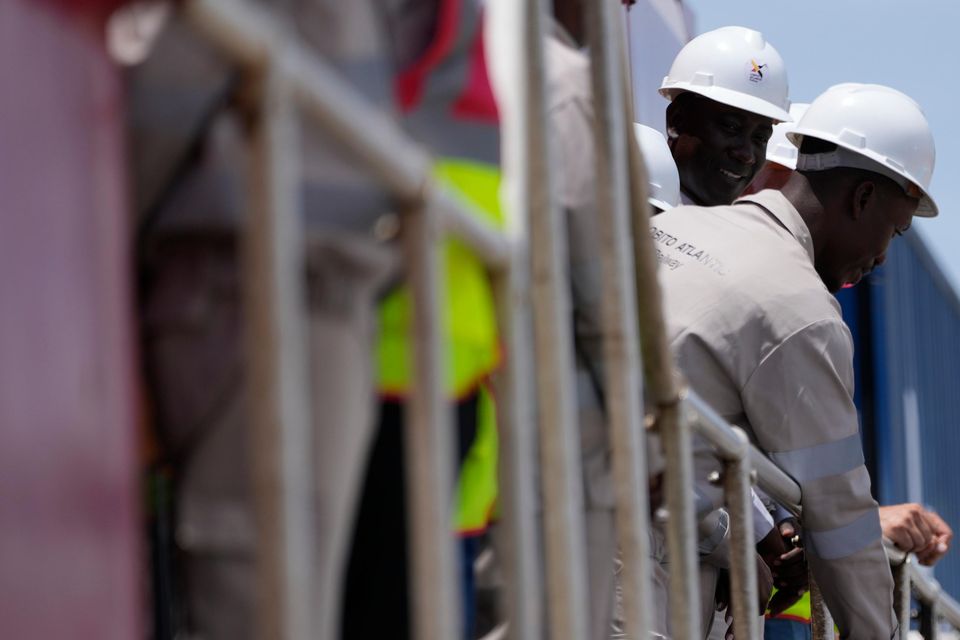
(846, 540)
(822, 460)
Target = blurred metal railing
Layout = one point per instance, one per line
(288, 77)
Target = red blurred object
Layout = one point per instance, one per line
(69, 526)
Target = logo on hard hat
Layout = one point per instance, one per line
(755, 73)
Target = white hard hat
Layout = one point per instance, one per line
(735, 66)
(875, 128)
(779, 149)
(661, 168)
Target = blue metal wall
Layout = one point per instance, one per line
(906, 324)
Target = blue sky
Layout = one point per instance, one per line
(911, 45)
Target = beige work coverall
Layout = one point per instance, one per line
(760, 338)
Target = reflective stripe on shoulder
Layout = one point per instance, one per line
(822, 460)
(847, 540)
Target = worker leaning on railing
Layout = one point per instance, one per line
(911, 527)
(760, 337)
(727, 88)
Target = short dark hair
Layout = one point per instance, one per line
(678, 107)
(816, 145)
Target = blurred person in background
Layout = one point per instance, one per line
(190, 170)
(445, 103)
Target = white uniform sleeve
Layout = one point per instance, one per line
(799, 403)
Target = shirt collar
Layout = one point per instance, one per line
(781, 209)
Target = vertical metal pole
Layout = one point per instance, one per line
(278, 381)
(553, 338)
(928, 620)
(901, 596)
(664, 393)
(621, 346)
(820, 618)
(681, 524)
(517, 452)
(428, 440)
(743, 575)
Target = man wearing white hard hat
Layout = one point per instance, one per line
(759, 336)
(911, 527)
(727, 88)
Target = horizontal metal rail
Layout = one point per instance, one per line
(251, 35)
(715, 429)
(786, 491)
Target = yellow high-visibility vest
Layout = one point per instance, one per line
(470, 340)
(799, 610)
(453, 114)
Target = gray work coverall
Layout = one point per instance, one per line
(761, 339)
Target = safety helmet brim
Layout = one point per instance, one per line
(927, 207)
(727, 97)
(660, 204)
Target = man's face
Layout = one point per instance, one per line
(718, 148)
(859, 244)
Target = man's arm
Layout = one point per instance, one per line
(799, 403)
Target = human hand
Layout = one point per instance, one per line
(915, 529)
(905, 526)
(939, 546)
(787, 563)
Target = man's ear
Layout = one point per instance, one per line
(863, 195)
(675, 118)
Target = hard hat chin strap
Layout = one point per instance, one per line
(843, 157)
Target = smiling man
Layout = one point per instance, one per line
(759, 336)
(726, 88)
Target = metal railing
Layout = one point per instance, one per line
(729, 443)
(532, 298)
(287, 77)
